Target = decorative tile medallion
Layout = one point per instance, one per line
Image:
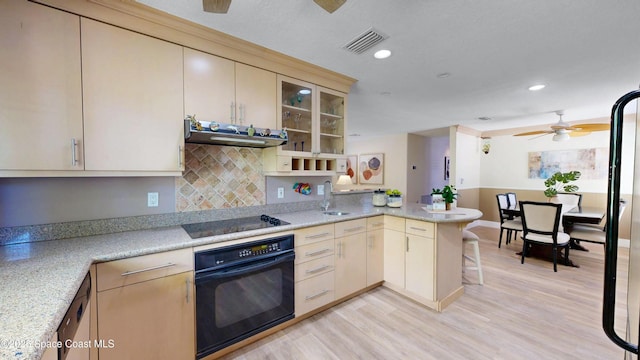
(218, 177)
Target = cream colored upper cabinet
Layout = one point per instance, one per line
(209, 87)
(217, 89)
(133, 100)
(256, 97)
(41, 96)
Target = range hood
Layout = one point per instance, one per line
(232, 135)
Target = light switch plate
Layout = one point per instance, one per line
(152, 199)
(320, 189)
(280, 193)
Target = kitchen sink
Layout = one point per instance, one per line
(335, 213)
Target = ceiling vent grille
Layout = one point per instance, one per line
(365, 41)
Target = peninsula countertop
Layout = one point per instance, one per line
(40, 279)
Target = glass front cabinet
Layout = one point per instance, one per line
(314, 118)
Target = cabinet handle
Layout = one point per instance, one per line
(311, 297)
(232, 113)
(317, 235)
(370, 242)
(242, 110)
(74, 149)
(188, 282)
(416, 228)
(354, 229)
(407, 244)
(317, 252)
(377, 224)
(339, 249)
(127, 273)
(180, 151)
(318, 269)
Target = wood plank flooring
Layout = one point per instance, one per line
(522, 312)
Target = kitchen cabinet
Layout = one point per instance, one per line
(315, 120)
(41, 96)
(394, 251)
(375, 250)
(351, 257)
(419, 259)
(145, 305)
(221, 90)
(133, 100)
(314, 268)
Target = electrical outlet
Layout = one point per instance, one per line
(152, 199)
(280, 193)
(320, 189)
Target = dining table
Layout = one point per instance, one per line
(575, 215)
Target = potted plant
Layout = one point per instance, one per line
(447, 194)
(394, 198)
(561, 182)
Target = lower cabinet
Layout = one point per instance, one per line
(375, 250)
(351, 257)
(394, 249)
(314, 268)
(146, 307)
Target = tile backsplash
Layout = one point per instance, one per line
(218, 177)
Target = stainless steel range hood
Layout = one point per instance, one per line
(232, 135)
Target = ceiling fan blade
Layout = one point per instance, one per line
(330, 5)
(216, 6)
(592, 127)
(537, 132)
(579, 133)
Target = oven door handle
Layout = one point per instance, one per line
(241, 270)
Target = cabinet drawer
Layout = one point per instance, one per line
(313, 234)
(314, 251)
(346, 228)
(394, 223)
(314, 267)
(283, 163)
(133, 270)
(314, 293)
(420, 228)
(375, 223)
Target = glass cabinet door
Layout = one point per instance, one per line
(332, 124)
(297, 114)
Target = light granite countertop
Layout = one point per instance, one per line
(40, 279)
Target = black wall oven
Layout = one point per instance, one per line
(242, 290)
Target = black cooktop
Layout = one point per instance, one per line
(221, 227)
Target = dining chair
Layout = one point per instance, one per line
(507, 223)
(512, 199)
(540, 225)
(569, 200)
(593, 233)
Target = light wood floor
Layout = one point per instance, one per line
(522, 312)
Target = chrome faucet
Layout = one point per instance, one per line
(329, 189)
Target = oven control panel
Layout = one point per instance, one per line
(239, 253)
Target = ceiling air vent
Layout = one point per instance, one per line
(365, 41)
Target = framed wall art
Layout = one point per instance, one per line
(446, 167)
(371, 169)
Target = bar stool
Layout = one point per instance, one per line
(470, 238)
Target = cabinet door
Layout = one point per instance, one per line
(149, 320)
(41, 96)
(375, 256)
(419, 266)
(296, 107)
(133, 100)
(350, 264)
(331, 121)
(256, 97)
(394, 251)
(209, 87)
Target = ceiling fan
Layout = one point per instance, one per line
(562, 131)
(222, 6)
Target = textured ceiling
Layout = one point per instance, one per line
(587, 52)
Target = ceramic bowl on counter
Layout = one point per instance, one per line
(394, 201)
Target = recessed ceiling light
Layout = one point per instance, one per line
(354, 134)
(537, 87)
(382, 54)
(304, 92)
(443, 75)
(484, 118)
